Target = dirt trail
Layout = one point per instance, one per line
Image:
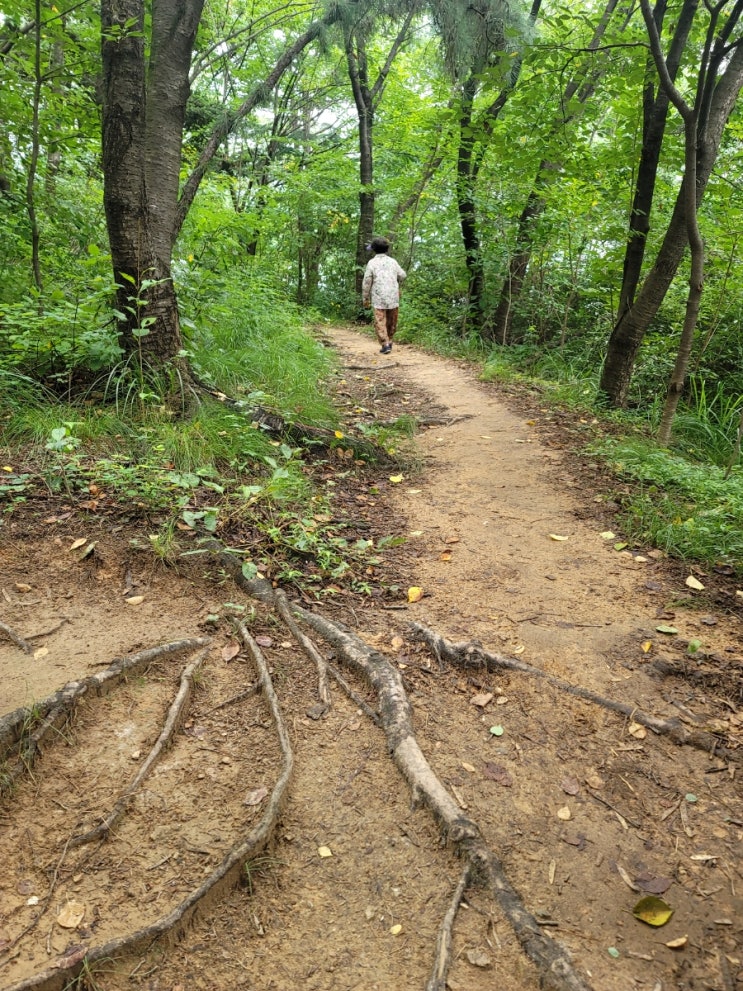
(581, 810)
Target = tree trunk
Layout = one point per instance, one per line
(655, 115)
(466, 206)
(630, 329)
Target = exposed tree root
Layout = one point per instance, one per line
(555, 968)
(172, 723)
(323, 689)
(437, 981)
(471, 655)
(16, 638)
(66, 968)
(14, 725)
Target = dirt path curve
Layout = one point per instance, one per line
(586, 812)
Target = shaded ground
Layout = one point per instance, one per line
(582, 806)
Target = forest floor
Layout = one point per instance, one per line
(506, 536)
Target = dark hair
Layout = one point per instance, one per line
(380, 244)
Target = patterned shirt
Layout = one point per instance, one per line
(382, 278)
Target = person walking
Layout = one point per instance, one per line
(381, 290)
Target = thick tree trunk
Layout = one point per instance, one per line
(142, 132)
(630, 329)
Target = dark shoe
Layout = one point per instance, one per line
(386, 349)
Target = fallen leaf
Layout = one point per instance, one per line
(73, 955)
(229, 651)
(415, 594)
(646, 645)
(134, 600)
(653, 885)
(613, 952)
(666, 629)
(71, 915)
(620, 546)
(626, 878)
(692, 582)
(446, 556)
(496, 730)
(595, 781)
(653, 911)
(564, 813)
(678, 943)
(397, 643)
(324, 851)
(479, 958)
(639, 732)
(451, 540)
(264, 641)
(88, 550)
(556, 536)
(396, 929)
(482, 699)
(570, 786)
(499, 774)
(468, 767)
(77, 543)
(607, 535)
(23, 587)
(339, 434)
(255, 797)
(396, 479)
(41, 652)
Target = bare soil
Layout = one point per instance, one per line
(506, 538)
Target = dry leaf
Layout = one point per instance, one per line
(230, 650)
(264, 641)
(626, 878)
(478, 958)
(446, 556)
(646, 645)
(71, 915)
(324, 851)
(77, 543)
(396, 929)
(134, 600)
(468, 767)
(41, 652)
(653, 911)
(499, 774)
(396, 479)
(607, 535)
(570, 786)
(482, 699)
(564, 813)
(556, 536)
(22, 587)
(256, 797)
(415, 594)
(397, 643)
(692, 582)
(678, 943)
(639, 732)
(451, 540)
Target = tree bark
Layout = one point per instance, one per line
(630, 329)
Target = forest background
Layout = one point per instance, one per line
(186, 187)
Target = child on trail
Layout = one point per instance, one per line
(381, 290)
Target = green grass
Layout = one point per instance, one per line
(688, 509)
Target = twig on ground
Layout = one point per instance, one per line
(354, 696)
(246, 693)
(437, 981)
(172, 722)
(16, 638)
(471, 655)
(323, 689)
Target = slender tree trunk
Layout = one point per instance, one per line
(466, 205)
(630, 329)
(655, 115)
(34, 160)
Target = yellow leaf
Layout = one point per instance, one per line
(7, 468)
(324, 851)
(77, 543)
(415, 594)
(646, 645)
(339, 434)
(41, 652)
(446, 556)
(638, 731)
(652, 910)
(692, 582)
(556, 536)
(396, 479)
(677, 944)
(396, 930)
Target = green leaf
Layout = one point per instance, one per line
(653, 911)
